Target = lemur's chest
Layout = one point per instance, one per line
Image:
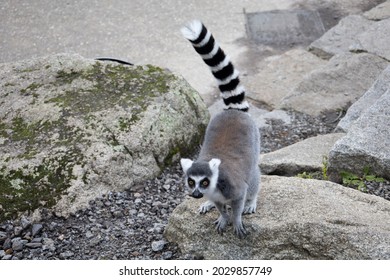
(217, 196)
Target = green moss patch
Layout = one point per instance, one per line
(28, 188)
(130, 87)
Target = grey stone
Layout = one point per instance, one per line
(33, 245)
(382, 11)
(331, 11)
(295, 219)
(66, 255)
(336, 85)
(18, 230)
(7, 244)
(167, 255)
(283, 28)
(381, 85)
(2, 254)
(376, 39)
(36, 229)
(37, 240)
(366, 145)
(89, 234)
(3, 236)
(48, 244)
(24, 222)
(74, 129)
(277, 75)
(158, 245)
(18, 244)
(339, 38)
(305, 156)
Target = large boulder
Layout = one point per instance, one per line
(72, 129)
(381, 85)
(357, 34)
(332, 11)
(382, 11)
(341, 37)
(365, 148)
(336, 85)
(277, 75)
(296, 219)
(375, 39)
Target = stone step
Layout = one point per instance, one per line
(305, 156)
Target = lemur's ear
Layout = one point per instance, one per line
(214, 164)
(185, 163)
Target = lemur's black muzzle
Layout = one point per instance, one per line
(197, 194)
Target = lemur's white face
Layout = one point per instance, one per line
(201, 177)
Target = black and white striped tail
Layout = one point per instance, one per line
(202, 40)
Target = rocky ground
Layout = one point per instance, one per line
(130, 224)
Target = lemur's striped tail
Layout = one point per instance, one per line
(202, 40)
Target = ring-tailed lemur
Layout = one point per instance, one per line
(226, 171)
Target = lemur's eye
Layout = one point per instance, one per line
(191, 182)
(205, 183)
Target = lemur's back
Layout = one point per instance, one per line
(233, 137)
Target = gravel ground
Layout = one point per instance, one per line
(130, 224)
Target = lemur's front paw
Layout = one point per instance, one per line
(221, 223)
(249, 209)
(240, 230)
(206, 207)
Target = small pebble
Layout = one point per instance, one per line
(158, 245)
(88, 234)
(34, 245)
(167, 255)
(7, 244)
(18, 244)
(36, 229)
(25, 223)
(3, 236)
(66, 255)
(18, 231)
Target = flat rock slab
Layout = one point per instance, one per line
(283, 28)
(341, 37)
(295, 219)
(305, 156)
(366, 145)
(375, 39)
(381, 85)
(355, 33)
(382, 11)
(73, 129)
(277, 75)
(336, 85)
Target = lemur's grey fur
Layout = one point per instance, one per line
(226, 171)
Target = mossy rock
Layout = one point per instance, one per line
(72, 129)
